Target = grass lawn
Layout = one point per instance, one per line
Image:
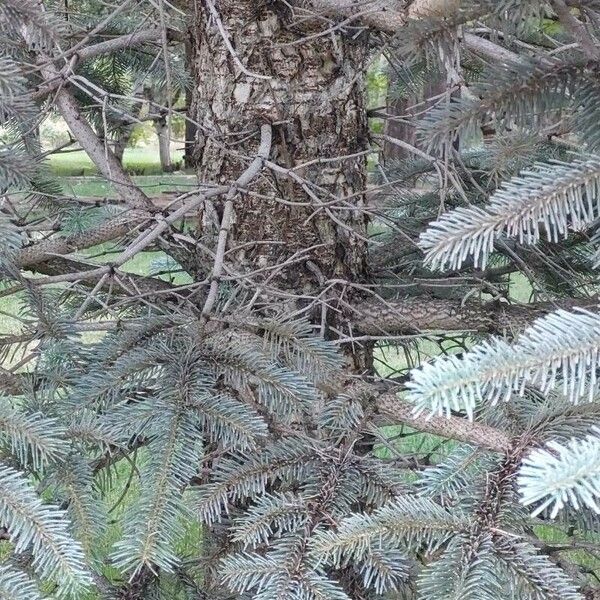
(153, 185)
(138, 161)
(80, 177)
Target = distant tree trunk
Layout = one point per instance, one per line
(126, 127)
(122, 142)
(190, 125)
(164, 143)
(315, 99)
(402, 106)
(398, 106)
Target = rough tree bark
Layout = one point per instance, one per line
(313, 93)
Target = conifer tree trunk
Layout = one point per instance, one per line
(313, 94)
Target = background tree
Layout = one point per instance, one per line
(247, 417)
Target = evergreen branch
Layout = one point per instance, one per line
(120, 43)
(240, 358)
(15, 585)
(297, 343)
(455, 473)
(525, 95)
(561, 347)
(551, 197)
(273, 515)
(122, 282)
(33, 439)
(282, 573)
(16, 168)
(227, 421)
(407, 521)
(343, 413)
(154, 523)
(561, 474)
(534, 575)
(577, 29)
(239, 479)
(467, 570)
(312, 585)
(385, 16)
(587, 116)
(86, 509)
(242, 572)
(491, 50)
(15, 101)
(134, 368)
(113, 228)
(43, 529)
(23, 19)
(384, 570)
(558, 419)
(10, 239)
(102, 157)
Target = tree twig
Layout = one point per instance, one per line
(577, 29)
(250, 173)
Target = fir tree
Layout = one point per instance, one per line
(327, 388)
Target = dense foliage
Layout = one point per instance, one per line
(182, 433)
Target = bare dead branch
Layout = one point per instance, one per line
(577, 29)
(246, 177)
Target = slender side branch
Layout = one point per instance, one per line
(247, 176)
(577, 29)
(119, 43)
(387, 16)
(490, 50)
(384, 14)
(131, 283)
(87, 52)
